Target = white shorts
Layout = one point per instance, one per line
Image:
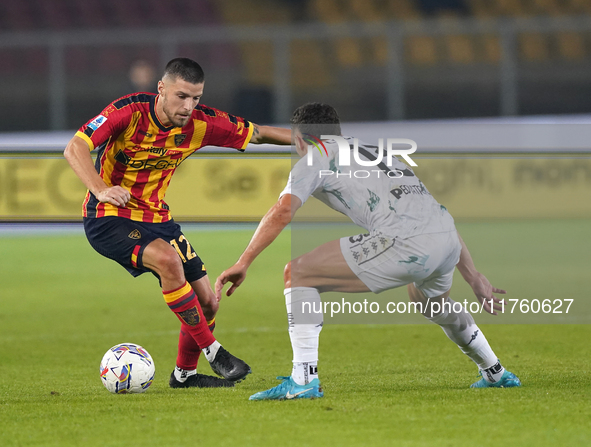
(384, 262)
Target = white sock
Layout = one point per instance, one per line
(458, 324)
(304, 329)
(182, 374)
(303, 372)
(494, 373)
(212, 350)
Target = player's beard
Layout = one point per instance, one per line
(175, 119)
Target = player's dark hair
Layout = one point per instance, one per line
(186, 69)
(315, 118)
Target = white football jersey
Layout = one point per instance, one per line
(389, 199)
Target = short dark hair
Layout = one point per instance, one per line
(315, 118)
(186, 69)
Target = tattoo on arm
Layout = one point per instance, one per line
(256, 135)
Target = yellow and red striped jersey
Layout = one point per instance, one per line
(137, 152)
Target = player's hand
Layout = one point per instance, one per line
(115, 195)
(235, 274)
(484, 292)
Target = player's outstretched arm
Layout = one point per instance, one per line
(77, 153)
(481, 286)
(270, 135)
(269, 228)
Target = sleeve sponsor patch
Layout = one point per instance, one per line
(97, 122)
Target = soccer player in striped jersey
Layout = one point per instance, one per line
(410, 240)
(141, 139)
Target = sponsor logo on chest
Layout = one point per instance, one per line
(157, 150)
(161, 151)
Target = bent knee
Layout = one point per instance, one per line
(287, 275)
(166, 261)
(415, 295)
(429, 306)
(210, 306)
(298, 271)
(169, 259)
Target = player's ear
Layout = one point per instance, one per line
(301, 146)
(160, 87)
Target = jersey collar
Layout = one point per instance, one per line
(155, 117)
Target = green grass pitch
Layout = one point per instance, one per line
(62, 306)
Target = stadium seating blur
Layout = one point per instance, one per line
(327, 68)
(421, 50)
(77, 15)
(454, 49)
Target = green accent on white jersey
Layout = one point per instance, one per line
(373, 201)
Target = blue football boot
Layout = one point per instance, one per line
(288, 390)
(508, 380)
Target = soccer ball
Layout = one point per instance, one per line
(127, 368)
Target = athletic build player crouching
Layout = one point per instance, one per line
(402, 229)
(141, 139)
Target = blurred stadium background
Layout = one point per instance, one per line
(393, 64)
(62, 61)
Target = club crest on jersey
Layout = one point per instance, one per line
(135, 234)
(178, 139)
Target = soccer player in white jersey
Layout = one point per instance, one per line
(411, 240)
